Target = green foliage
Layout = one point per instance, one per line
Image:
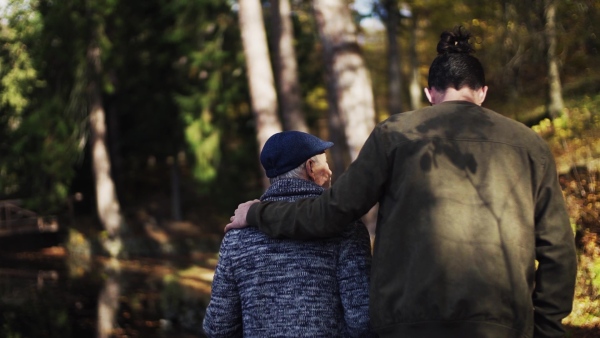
(204, 140)
(18, 75)
(199, 101)
(36, 138)
(170, 85)
(18, 78)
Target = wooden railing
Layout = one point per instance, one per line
(16, 220)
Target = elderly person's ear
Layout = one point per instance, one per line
(318, 171)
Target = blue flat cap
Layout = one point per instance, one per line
(287, 150)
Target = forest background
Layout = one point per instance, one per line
(118, 116)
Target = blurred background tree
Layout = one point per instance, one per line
(285, 66)
(259, 72)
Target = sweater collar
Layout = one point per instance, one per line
(291, 189)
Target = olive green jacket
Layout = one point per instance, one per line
(468, 201)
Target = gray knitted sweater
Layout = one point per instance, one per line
(265, 287)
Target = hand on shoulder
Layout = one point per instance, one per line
(238, 220)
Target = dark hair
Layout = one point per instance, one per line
(455, 66)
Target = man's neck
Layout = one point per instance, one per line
(475, 96)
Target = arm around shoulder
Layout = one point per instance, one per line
(350, 197)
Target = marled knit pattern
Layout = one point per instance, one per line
(265, 287)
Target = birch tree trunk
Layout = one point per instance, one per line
(286, 67)
(107, 204)
(259, 72)
(393, 52)
(108, 304)
(555, 103)
(352, 92)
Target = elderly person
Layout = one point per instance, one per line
(266, 287)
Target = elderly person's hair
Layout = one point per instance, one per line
(297, 172)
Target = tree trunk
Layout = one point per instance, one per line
(416, 91)
(114, 151)
(555, 103)
(339, 154)
(347, 72)
(393, 53)
(259, 72)
(108, 304)
(286, 67)
(107, 204)
(350, 93)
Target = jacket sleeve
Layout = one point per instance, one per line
(555, 253)
(224, 312)
(350, 197)
(354, 267)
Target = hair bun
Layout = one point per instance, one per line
(456, 41)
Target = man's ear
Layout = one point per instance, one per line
(481, 94)
(428, 94)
